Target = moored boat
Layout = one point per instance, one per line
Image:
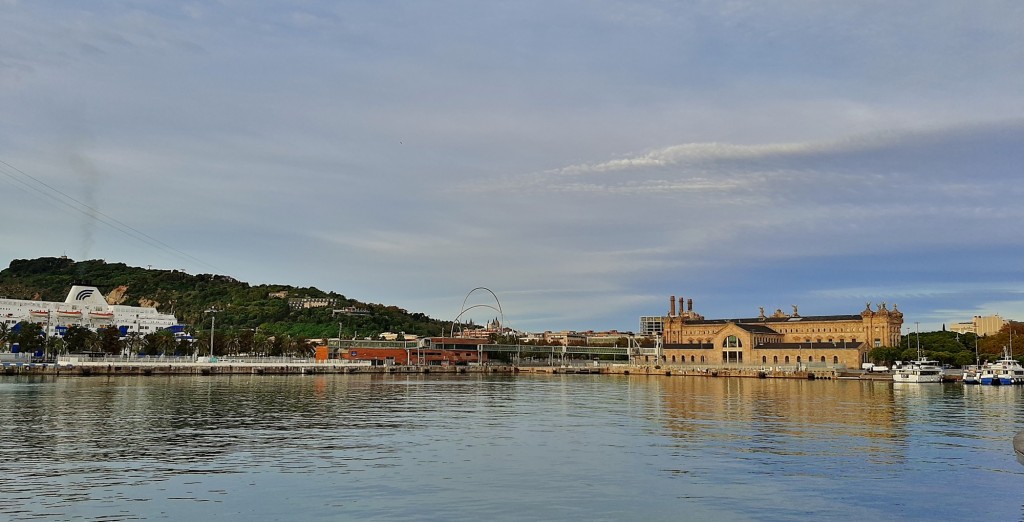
(971, 375)
(917, 371)
(987, 375)
(1006, 370)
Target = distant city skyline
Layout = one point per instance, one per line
(584, 161)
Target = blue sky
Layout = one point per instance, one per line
(584, 160)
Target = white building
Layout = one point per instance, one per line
(980, 325)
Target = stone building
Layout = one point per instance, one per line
(778, 339)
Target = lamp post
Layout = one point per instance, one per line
(213, 324)
(917, 327)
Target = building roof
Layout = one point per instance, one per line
(757, 328)
(778, 320)
(809, 346)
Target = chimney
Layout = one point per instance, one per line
(689, 305)
(672, 306)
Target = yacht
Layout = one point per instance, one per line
(971, 375)
(1007, 371)
(987, 375)
(920, 370)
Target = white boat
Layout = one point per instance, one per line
(920, 370)
(971, 375)
(85, 307)
(987, 375)
(1005, 371)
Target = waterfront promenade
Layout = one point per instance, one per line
(86, 366)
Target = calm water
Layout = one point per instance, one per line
(357, 447)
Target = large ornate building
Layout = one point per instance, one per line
(777, 339)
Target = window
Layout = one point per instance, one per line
(822, 358)
(775, 359)
(732, 342)
(691, 358)
(835, 359)
(764, 359)
(787, 359)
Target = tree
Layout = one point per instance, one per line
(109, 340)
(78, 339)
(159, 343)
(885, 355)
(28, 336)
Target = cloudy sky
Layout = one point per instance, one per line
(582, 159)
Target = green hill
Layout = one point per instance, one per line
(243, 307)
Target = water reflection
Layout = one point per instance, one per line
(542, 447)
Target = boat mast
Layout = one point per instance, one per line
(917, 325)
(977, 357)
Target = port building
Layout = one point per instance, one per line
(777, 339)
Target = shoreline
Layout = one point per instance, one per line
(305, 367)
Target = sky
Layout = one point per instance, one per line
(583, 160)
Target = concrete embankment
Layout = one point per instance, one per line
(277, 367)
(688, 371)
(231, 368)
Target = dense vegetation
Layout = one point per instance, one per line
(953, 348)
(248, 318)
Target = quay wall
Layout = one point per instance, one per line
(135, 367)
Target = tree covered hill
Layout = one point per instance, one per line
(243, 307)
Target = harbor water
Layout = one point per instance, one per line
(505, 447)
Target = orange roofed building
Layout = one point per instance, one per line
(434, 351)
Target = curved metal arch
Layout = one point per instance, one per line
(464, 309)
(495, 296)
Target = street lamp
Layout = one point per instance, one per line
(213, 324)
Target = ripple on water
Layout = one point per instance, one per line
(501, 447)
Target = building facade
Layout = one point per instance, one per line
(777, 339)
(980, 325)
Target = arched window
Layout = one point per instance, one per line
(787, 359)
(691, 358)
(775, 359)
(822, 358)
(732, 342)
(701, 358)
(835, 359)
(764, 359)
(674, 358)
